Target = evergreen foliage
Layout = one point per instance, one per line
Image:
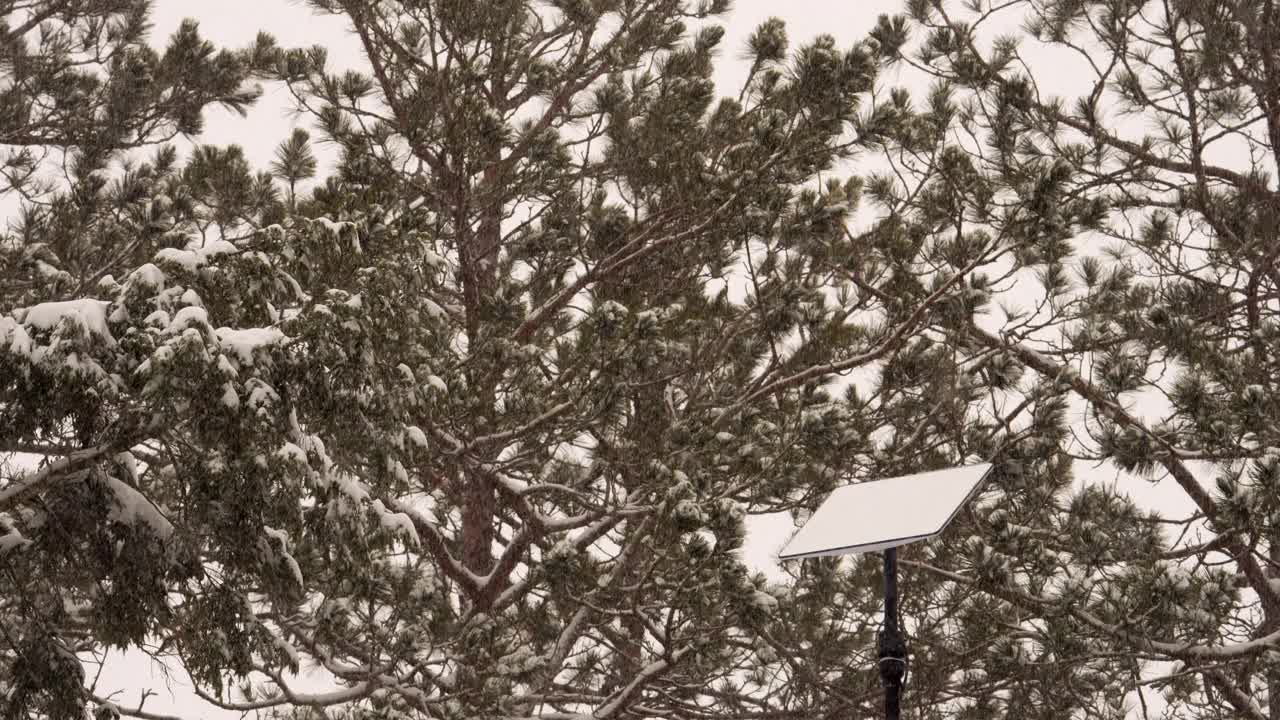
(1143, 217)
(470, 425)
(474, 426)
(82, 84)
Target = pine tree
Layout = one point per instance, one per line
(82, 85)
(1148, 212)
(474, 426)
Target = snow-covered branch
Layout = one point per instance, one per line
(1168, 457)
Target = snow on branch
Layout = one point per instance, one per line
(1169, 457)
(1187, 651)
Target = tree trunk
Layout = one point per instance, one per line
(477, 251)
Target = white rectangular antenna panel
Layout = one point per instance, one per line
(880, 514)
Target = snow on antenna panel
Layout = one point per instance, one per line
(880, 514)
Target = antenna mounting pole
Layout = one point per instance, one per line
(892, 650)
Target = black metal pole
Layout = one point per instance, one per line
(892, 652)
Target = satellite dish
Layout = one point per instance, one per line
(882, 514)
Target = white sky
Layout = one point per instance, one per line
(234, 23)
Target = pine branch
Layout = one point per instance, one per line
(1170, 458)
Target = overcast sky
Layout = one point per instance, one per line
(234, 23)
